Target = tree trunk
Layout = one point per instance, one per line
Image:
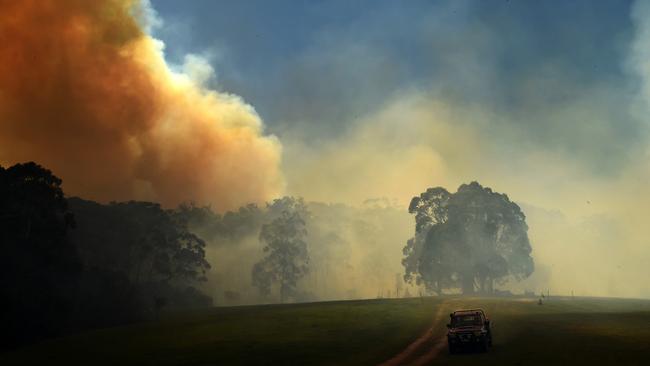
(467, 285)
(481, 285)
(282, 290)
(283, 286)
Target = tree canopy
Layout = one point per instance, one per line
(140, 239)
(287, 257)
(38, 266)
(468, 240)
(72, 264)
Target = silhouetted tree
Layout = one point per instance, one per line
(106, 265)
(139, 239)
(423, 264)
(468, 239)
(287, 257)
(38, 266)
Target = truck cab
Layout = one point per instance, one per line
(469, 328)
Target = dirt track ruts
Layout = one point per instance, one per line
(423, 350)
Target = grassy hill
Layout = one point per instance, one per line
(562, 331)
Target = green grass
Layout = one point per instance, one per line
(563, 331)
(342, 333)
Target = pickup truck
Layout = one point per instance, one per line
(469, 329)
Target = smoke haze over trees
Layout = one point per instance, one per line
(135, 103)
(96, 265)
(286, 258)
(353, 251)
(468, 240)
(165, 187)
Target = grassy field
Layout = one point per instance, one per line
(563, 331)
(342, 333)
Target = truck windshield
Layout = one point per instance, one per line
(465, 320)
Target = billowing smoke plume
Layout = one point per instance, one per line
(86, 92)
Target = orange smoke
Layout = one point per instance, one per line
(85, 92)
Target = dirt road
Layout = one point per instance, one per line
(426, 348)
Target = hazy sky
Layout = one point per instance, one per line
(313, 67)
(543, 100)
(550, 81)
(230, 102)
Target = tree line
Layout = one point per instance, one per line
(71, 264)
